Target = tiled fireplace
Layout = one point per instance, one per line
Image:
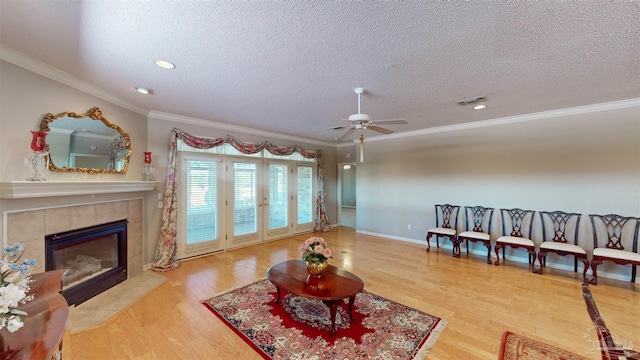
(30, 227)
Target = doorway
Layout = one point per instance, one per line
(347, 189)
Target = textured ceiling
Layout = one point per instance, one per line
(291, 67)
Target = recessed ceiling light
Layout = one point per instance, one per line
(479, 107)
(165, 64)
(144, 91)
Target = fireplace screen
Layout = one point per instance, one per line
(95, 259)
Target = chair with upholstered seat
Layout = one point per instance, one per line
(517, 226)
(617, 231)
(448, 228)
(607, 345)
(481, 231)
(560, 236)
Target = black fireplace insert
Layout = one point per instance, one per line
(95, 258)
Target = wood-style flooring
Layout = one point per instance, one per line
(478, 300)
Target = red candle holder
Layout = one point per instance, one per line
(37, 141)
(147, 157)
(147, 171)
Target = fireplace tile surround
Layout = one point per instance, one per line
(30, 226)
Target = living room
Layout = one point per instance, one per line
(583, 157)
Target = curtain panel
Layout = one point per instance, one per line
(165, 256)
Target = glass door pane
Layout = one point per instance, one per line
(201, 203)
(278, 195)
(246, 201)
(304, 182)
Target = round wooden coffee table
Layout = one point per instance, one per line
(332, 288)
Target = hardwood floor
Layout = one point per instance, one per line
(478, 300)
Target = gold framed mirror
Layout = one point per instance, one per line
(86, 143)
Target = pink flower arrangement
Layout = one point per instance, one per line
(315, 249)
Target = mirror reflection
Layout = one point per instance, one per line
(86, 143)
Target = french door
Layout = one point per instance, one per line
(245, 203)
(277, 200)
(226, 202)
(201, 200)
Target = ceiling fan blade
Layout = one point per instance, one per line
(337, 127)
(392, 121)
(349, 132)
(379, 129)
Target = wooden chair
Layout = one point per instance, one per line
(608, 348)
(560, 235)
(514, 222)
(616, 230)
(449, 215)
(481, 231)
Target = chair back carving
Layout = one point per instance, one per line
(516, 221)
(480, 216)
(449, 215)
(617, 228)
(559, 226)
(608, 348)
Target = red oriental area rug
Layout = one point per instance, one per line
(518, 347)
(299, 328)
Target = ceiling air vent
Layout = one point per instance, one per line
(471, 100)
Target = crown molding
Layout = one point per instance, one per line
(222, 126)
(19, 59)
(614, 105)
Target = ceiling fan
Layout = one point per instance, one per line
(362, 121)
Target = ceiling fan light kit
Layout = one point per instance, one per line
(359, 117)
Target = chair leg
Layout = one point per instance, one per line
(542, 260)
(428, 245)
(488, 245)
(633, 273)
(584, 271)
(532, 260)
(594, 272)
(467, 247)
(456, 247)
(497, 250)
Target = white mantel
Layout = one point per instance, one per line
(33, 189)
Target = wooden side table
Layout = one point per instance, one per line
(44, 326)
